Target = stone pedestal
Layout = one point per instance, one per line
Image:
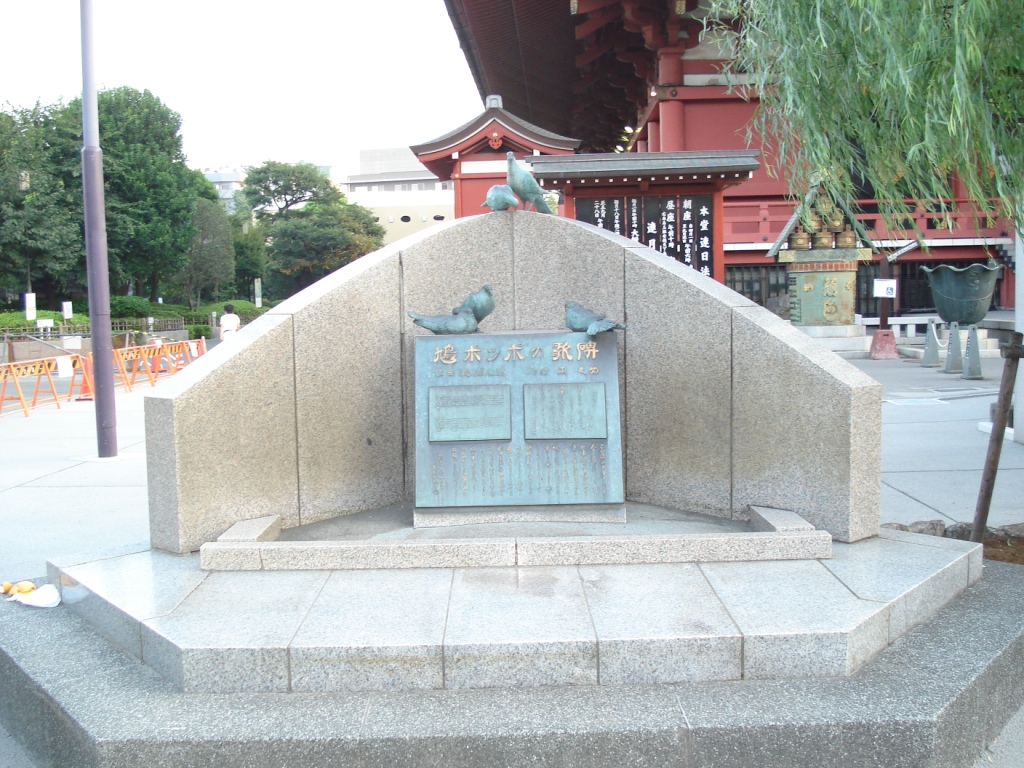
(823, 284)
(883, 346)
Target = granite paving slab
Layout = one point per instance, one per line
(660, 624)
(376, 630)
(955, 492)
(798, 619)
(510, 627)
(232, 633)
(915, 579)
(124, 591)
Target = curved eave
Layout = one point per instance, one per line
(437, 155)
(522, 50)
(531, 134)
(722, 168)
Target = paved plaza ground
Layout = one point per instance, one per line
(57, 500)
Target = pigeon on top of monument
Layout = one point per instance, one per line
(579, 318)
(500, 198)
(524, 185)
(462, 322)
(481, 302)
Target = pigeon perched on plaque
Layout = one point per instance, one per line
(461, 322)
(481, 302)
(579, 318)
(500, 198)
(524, 185)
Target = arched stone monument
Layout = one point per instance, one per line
(308, 412)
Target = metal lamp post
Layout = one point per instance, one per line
(96, 250)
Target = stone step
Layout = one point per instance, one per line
(935, 698)
(518, 626)
(385, 541)
(511, 551)
(650, 535)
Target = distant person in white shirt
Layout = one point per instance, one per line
(229, 322)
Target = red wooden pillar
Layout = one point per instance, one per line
(569, 202)
(654, 136)
(670, 75)
(718, 226)
(457, 187)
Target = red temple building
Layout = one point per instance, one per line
(474, 155)
(652, 118)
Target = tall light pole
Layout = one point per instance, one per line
(96, 250)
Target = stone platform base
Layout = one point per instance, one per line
(510, 536)
(562, 513)
(935, 698)
(333, 630)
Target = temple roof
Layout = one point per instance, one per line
(509, 131)
(516, 125)
(522, 50)
(575, 67)
(641, 166)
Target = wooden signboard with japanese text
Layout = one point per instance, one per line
(680, 226)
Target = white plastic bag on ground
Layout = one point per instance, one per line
(46, 596)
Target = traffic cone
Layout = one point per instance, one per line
(85, 388)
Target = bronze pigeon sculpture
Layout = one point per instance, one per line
(480, 302)
(578, 318)
(524, 185)
(442, 325)
(500, 198)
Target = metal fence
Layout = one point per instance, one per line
(155, 324)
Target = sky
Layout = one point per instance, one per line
(305, 81)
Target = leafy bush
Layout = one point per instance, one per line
(137, 306)
(195, 331)
(129, 306)
(168, 310)
(246, 310)
(17, 319)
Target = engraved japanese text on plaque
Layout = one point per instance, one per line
(554, 411)
(470, 413)
(517, 419)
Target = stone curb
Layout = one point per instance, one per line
(478, 553)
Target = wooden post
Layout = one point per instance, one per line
(884, 272)
(1012, 353)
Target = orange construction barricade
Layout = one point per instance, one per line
(41, 369)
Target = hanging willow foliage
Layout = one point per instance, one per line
(893, 96)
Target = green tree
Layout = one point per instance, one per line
(275, 188)
(250, 243)
(211, 255)
(40, 235)
(311, 228)
(897, 96)
(150, 192)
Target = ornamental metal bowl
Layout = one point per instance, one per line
(962, 294)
